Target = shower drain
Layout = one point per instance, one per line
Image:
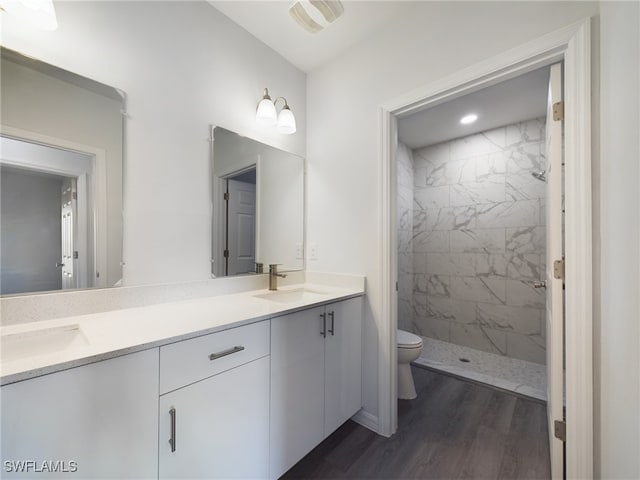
(465, 360)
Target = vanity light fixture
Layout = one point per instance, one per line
(467, 119)
(266, 114)
(38, 13)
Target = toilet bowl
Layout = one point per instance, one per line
(409, 348)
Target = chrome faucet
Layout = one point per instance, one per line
(273, 276)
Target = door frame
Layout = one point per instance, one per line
(571, 44)
(94, 206)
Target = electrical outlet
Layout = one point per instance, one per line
(313, 251)
(299, 251)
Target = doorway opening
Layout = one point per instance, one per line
(240, 222)
(479, 206)
(570, 45)
(47, 232)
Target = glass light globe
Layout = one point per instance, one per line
(286, 121)
(266, 113)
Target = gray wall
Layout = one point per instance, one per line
(29, 231)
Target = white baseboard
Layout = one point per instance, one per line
(367, 420)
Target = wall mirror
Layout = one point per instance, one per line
(61, 156)
(258, 206)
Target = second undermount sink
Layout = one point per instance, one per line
(17, 346)
(293, 296)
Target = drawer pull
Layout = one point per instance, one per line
(224, 353)
(324, 325)
(331, 330)
(172, 440)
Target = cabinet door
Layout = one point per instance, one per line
(221, 426)
(297, 387)
(102, 416)
(343, 363)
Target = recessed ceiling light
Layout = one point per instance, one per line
(467, 119)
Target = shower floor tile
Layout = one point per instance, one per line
(524, 378)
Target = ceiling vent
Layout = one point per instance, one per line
(314, 15)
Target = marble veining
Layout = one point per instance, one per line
(408, 204)
(477, 241)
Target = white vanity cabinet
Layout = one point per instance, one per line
(214, 405)
(94, 421)
(316, 378)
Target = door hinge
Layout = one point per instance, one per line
(396, 286)
(558, 269)
(226, 196)
(75, 254)
(226, 254)
(558, 111)
(74, 195)
(560, 430)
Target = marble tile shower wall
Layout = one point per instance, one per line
(405, 237)
(479, 241)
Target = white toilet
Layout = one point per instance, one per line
(409, 348)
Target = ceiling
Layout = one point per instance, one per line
(515, 100)
(518, 99)
(269, 21)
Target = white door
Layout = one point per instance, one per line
(555, 306)
(103, 417)
(297, 387)
(220, 426)
(241, 225)
(343, 363)
(68, 230)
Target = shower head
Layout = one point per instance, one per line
(540, 176)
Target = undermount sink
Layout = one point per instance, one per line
(17, 346)
(293, 296)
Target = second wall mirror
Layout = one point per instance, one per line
(258, 206)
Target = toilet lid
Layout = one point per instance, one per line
(407, 339)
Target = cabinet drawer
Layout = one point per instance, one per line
(191, 360)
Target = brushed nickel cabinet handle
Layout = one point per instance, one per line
(324, 325)
(224, 353)
(172, 440)
(331, 330)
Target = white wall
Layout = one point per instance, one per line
(343, 148)
(617, 358)
(183, 66)
(280, 194)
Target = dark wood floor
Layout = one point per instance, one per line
(454, 429)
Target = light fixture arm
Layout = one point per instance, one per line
(286, 105)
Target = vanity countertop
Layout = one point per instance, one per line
(74, 341)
